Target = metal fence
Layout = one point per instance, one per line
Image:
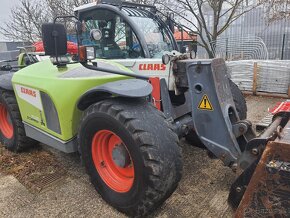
(240, 48)
(272, 46)
(272, 76)
(278, 45)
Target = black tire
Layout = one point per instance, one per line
(241, 108)
(193, 139)
(151, 144)
(19, 141)
(239, 100)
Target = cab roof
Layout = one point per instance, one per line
(116, 3)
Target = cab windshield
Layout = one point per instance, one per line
(118, 40)
(156, 36)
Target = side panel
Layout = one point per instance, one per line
(50, 113)
(63, 86)
(150, 67)
(69, 146)
(30, 105)
(29, 95)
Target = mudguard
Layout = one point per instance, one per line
(131, 88)
(6, 81)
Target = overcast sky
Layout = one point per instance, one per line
(5, 7)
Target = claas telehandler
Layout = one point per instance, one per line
(125, 101)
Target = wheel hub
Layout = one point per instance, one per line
(120, 156)
(112, 160)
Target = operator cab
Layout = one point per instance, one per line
(124, 32)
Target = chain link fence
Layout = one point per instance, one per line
(270, 46)
(278, 45)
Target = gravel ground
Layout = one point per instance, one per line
(202, 191)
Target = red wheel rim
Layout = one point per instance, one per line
(113, 161)
(6, 126)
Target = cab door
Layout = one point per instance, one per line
(118, 40)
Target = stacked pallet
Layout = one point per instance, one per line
(261, 76)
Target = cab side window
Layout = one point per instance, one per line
(118, 40)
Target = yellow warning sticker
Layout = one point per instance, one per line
(205, 104)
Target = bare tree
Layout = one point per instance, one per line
(25, 21)
(207, 18)
(27, 18)
(277, 9)
(64, 7)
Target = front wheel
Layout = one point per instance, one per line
(130, 153)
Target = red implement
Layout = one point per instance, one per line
(280, 107)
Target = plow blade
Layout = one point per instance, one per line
(268, 192)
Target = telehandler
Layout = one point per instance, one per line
(124, 102)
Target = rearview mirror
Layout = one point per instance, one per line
(54, 39)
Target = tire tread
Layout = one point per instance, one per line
(136, 116)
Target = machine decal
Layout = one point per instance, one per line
(160, 67)
(33, 118)
(29, 95)
(205, 104)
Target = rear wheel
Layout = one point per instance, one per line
(131, 154)
(12, 133)
(241, 108)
